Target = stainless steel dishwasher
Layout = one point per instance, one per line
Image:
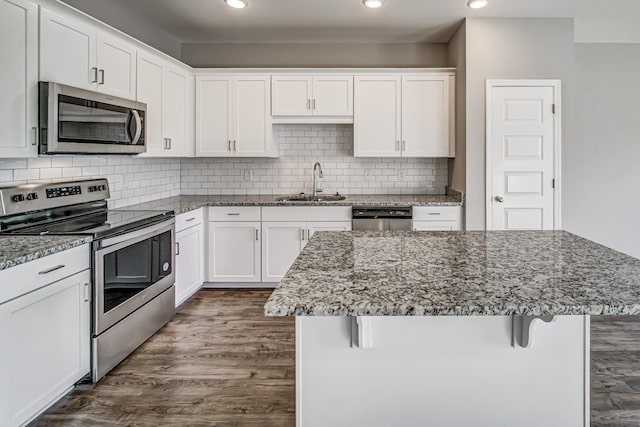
(382, 218)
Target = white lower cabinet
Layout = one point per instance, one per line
(234, 252)
(281, 245)
(45, 347)
(190, 240)
(437, 218)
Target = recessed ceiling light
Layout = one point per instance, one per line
(237, 4)
(373, 4)
(477, 4)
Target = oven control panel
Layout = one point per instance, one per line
(74, 190)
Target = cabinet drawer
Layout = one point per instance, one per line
(32, 275)
(234, 213)
(435, 226)
(436, 213)
(188, 219)
(307, 213)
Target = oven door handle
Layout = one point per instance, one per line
(139, 234)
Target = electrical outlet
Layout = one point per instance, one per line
(248, 174)
(401, 174)
(368, 176)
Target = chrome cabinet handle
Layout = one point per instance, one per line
(165, 145)
(314, 104)
(190, 219)
(397, 145)
(257, 235)
(233, 213)
(434, 213)
(94, 72)
(177, 248)
(35, 135)
(499, 199)
(52, 269)
(101, 72)
(404, 145)
(87, 291)
(308, 104)
(308, 234)
(229, 144)
(302, 234)
(235, 145)
(169, 143)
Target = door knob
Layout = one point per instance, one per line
(499, 199)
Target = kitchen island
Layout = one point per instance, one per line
(455, 328)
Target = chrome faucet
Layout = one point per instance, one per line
(315, 183)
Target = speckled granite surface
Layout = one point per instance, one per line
(15, 250)
(181, 204)
(457, 273)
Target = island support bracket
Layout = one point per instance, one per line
(521, 327)
(361, 332)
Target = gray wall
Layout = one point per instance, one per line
(315, 54)
(509, 49)
(457, 57)
(601, 161)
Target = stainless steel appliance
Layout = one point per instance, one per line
(78, 121)
(133, 258)
(381, 218)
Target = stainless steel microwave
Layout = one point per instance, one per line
(78, 121)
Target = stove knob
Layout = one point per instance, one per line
(17, 198)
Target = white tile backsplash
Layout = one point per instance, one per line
(131, 179)
(299, 147)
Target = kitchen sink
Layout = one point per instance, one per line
(309, 198)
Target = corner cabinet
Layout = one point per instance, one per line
(77, 53)
(168, 92)
(45, 333)
(404, 116)
(233, 117)
(19, 79)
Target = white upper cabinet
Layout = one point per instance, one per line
(312, 95)
(76, 53)
(116, 66)
(168, 92)
(233, 116)
(377, 116)
(403, 116)
(18, 78)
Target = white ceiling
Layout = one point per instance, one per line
(204, 21)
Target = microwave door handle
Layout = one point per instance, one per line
(136, 136)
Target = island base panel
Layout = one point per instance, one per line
(445, 370)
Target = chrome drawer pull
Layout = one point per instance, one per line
(435, 213)
(233, 214)
(52, 269)
(189, 220)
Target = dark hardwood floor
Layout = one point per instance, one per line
(222, 363)
(219, 363)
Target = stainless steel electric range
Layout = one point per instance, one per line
(132, 259)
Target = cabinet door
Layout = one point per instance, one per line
(253, 131)
(189, 271)
(174, 110)
(376, 119)
(332, 96)
(214, 116)
(292, 95)
(45, 346)
(312, 227)
(425, 116)
(234, 252)
(281, 245)
(116, 66)
(67, 51)
(149, 90)
(18, 78)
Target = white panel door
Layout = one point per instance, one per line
(281, 245)
(253, 131)
(234, 252)
(292, 95)
(425, 116)
(45, 346)
(174, 110)
(189, 269)
(116, 66)
(214, 116)
(377, 118)
(332, 96)
(18, 78)
(67, 51)
(312, 227)
(522, 150)
(149, 90)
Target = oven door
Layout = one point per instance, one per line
(130, 270)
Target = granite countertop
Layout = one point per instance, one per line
(457, 273)
(181, 204)
(15, 250)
